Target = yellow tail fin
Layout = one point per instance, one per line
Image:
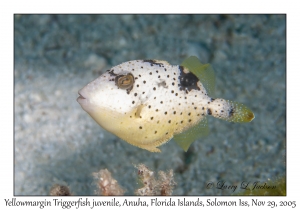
(230, 111)
(240, 113)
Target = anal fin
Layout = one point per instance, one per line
(186, 138)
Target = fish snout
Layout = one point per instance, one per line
(81, 97)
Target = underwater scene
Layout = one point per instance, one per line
(163, 104)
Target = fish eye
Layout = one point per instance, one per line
(125, 81)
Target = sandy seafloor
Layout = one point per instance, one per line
(57, 142)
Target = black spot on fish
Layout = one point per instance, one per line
(212, 99)
(153, 62)
(231, 112)
(187, 81)
(209, 111)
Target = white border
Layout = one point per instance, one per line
(6, 72)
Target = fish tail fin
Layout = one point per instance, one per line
(230, 111)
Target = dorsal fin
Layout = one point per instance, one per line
(204, 72)
(186, 138)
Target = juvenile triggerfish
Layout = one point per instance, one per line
(149, 102)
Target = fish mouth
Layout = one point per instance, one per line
(84, 101)
(81, 97)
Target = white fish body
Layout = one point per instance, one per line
(148, 102)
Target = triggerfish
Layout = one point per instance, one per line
(149, 102)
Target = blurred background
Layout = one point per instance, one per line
(57, 142)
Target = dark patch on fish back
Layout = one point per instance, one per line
(153, 62)
(187, 81)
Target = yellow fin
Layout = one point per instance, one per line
(240, 113)
(204, 72)
(186, 138)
